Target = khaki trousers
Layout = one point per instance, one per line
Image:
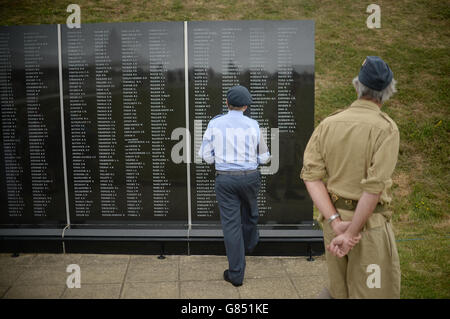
(372, 268)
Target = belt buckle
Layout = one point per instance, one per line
(349, 203)
(334, 197)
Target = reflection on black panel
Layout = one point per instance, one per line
(123, 97)
(275, 61)
(31, 182)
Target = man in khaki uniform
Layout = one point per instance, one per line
(347, 169)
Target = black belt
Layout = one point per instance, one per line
(236, 172)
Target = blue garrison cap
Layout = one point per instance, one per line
(375, 73)
(239, 96)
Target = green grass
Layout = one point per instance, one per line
(414, 39)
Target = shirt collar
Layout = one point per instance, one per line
(235, 113)
(366, 104)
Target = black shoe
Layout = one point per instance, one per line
(226, 278)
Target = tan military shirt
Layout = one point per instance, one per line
(354, 150)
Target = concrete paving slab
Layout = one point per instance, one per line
(10, 273)
(3, 290)
(103, 273)
(164, 270)
(22, 259)
(93, 291)
(300, 267)
(264, 267)
(100, 259)
(35, 292)
(56, 259)
(271, 288)
(151, 290)
(127, 276)
(211, 289)
(145, 259)
(309, 287)
(202, 267)
(203, 258)
(42, 275)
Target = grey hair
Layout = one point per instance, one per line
(381, 96)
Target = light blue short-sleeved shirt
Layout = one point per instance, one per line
(234, 142)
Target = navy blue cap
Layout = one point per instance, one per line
(239, 96)
(375, 73)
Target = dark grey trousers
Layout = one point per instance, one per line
(237, 199)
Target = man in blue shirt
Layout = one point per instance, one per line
(235, 144)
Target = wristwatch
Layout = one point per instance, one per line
(333, 217)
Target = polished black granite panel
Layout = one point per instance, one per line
(124, 110)
(123, 97)
(31, 165)
(275, 61)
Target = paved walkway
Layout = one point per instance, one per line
(142, 276)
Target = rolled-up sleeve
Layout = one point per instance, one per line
(206, 150)
(263, 150)
(313, 162)
(382, 164)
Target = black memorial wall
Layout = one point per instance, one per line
(31, 161)
(123, 95)
(275, 60)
